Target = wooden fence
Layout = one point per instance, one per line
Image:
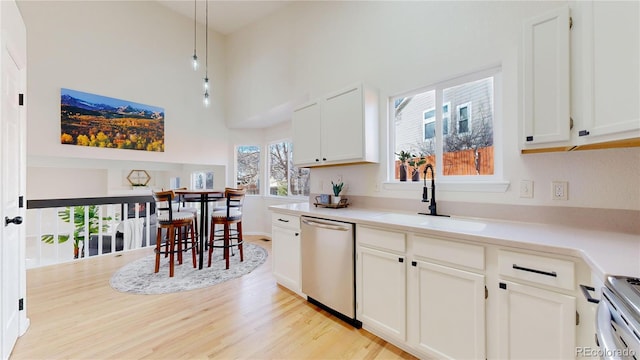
(457, 163)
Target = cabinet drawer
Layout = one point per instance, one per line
(285, 221)
(383, 239)
(452, 252)
(537, 269)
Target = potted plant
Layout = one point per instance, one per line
(403, 156)
(79, 227)
(415, 164)
(337, 188)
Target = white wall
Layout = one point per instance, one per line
(134, 50)
(399, 46)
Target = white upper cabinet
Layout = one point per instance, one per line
(611, 71)
(581, 86)
(341, 128)
(546, 78)
(306, 133)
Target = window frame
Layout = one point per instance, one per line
(480, 183)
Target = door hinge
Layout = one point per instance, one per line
(20, 201)
(577, 318)
(486, 292)
(20, 99)
(20, 304)
(570, 22)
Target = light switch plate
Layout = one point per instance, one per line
(526, 189)
(559, 190)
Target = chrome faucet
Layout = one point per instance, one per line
(425, 192)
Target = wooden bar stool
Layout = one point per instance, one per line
(176, 224)
(231, 214)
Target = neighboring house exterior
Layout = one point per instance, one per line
(466, 113)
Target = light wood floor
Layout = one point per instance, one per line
(75, 314)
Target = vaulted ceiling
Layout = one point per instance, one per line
(225, 16)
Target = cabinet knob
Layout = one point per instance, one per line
(401, 259)
(317, 160)
(414, 263)
(324, 159)
(297, 234)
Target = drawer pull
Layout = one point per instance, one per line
(547, 273)
(283, 220)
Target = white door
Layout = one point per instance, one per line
(12, 236)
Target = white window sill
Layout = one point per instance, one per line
(472, 186)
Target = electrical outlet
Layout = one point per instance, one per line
(559, 190)
(526, 189)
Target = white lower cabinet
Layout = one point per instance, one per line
(449, 311)
(285, 249)
(535, 323)
(381, 282)
(382, 300)
(443, 298)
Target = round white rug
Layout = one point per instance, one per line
(138, 277)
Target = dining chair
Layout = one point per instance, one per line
(176, 224)
(180, 204)
(228, 237)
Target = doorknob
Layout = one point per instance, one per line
(16, 220)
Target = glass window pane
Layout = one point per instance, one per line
(299, 178)
(468, 148)
(429, 130)
(279, 169)
(202, 180)
(248, 165)
(412, 133)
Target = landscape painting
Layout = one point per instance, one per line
(100, 121)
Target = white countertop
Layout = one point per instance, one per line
(607, 253)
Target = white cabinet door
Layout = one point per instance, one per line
(306, 124)
(547, 78)
(341, 128)
(286, 257)
(450, 311)
(381, 290)
(612, 55)
(535, 323)
(343, 125)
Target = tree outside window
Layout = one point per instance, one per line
(284, 178)
(248, 168)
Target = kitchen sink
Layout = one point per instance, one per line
(427, 221)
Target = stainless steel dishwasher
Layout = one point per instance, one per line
(328, 266)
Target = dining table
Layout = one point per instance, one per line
(203, 196)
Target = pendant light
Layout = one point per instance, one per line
(194, 58)
(206, 56)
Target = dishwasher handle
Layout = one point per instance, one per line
(604, 332)
(324, 225)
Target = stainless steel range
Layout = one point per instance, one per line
(618, 319)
